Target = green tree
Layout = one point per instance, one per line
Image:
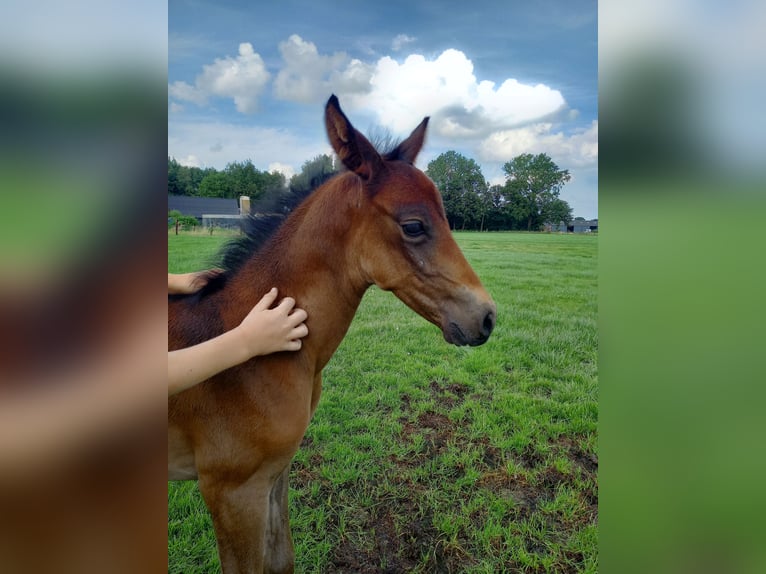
(177, 219)
(275, 182)
(532, 183)
(486, 204)
(515, 207)
(185, 180)
(313, 172)
(497, 216)
(216, 184)
(246, 179)
(243, 179)
(174, 186)
(462, 185)
(558, 211)
(236, 179)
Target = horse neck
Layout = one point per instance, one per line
(309, 260)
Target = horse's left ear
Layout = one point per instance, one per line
(409, 149)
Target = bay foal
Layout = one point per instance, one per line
(381, 222)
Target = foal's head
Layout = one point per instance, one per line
(402, 236)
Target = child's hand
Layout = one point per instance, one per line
(266, 331)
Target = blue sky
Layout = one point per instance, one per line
(248, 80)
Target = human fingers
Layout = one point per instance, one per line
(298, 316)
(181, 283)
(202, 278)
(267, 300)
(197, 281)
(293, 345)
(212, 273)
(299, 331)
(286, 305)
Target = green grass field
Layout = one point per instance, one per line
(424, 457)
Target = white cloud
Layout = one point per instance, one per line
(354, 79)
(187, 93)
(190, 161)
(400, 94)
(175, 108)
(578, 149)
(308, 76)
(400, 41)
(241, 79)
(447, 89)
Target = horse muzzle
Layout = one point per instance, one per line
(473, 328)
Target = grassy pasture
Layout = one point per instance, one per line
(424, 457)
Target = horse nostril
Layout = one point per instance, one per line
(488, 324)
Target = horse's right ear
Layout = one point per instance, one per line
(353, 149)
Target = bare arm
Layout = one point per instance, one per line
(180, 283)
(262, 332)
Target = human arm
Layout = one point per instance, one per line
(185, 283)
(263, 331)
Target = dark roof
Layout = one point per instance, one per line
(199, 206)
(586, 222)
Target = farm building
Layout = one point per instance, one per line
(209, 211)
(578, 226)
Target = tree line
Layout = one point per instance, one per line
(243, 178)
(236, 179)
(527, 200)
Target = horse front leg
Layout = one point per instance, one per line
(240, 517)
(280, 554)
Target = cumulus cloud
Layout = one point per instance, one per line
(401, 94)
(308, 76)
(447, 89)
(187, 92)
(579, 149)
(241, 79)
(400, 41)
(503, 120)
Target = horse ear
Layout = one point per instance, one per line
(353, 149)
(409, 149)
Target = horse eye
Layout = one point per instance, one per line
(413, 228)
